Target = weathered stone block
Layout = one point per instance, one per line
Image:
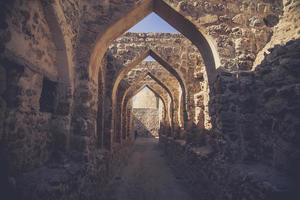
(2, 79)
(79, 143)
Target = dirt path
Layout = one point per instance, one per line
(147, 176)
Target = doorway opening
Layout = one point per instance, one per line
(147, 112)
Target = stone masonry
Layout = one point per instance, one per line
(229, 84)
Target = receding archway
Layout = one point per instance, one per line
(166, 66)
(116, 127)
(141, 10)
(129, 94)
(133, 91)
(170, 15)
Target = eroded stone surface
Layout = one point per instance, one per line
(239, 139)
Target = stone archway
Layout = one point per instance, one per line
(54, 16)
(177, 20)
(131, 92)
(65, 83)
(102, 39)
(161, 92)
(117, 109)
(166, 66)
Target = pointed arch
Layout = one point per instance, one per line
(177, 20)
(127, 97)
(160, 83)
(63, 60)
(115, 108)
(166, 66)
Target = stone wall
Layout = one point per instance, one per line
(288, 28)
(277, 107)
(159, 72)
(28, 38)
(259, 121)
(253, 142)
(145, 122)
(39, 157)
(26, 130)
(30, 54)
(240, 29)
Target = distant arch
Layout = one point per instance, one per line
(126, 98)
(125, 104)
(116, 109)
(166, 66)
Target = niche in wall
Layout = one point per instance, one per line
(48, 96)
(10, 87)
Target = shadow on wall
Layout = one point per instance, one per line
(259, 143)
(277, 99)
(143, 130)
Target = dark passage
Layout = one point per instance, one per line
(146, 177)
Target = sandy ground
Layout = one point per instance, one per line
(147, 176)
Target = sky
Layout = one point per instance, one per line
(149, 58)
(153, 23)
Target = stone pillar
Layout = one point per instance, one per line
(84, 118)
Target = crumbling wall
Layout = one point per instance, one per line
(238, 29)
(145, 122)
(287, 29)
(277, 107)
(29, 39)
(255, 137)
(256, 156)
(26, 132)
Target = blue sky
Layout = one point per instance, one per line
(149, 58)
(153, 23)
